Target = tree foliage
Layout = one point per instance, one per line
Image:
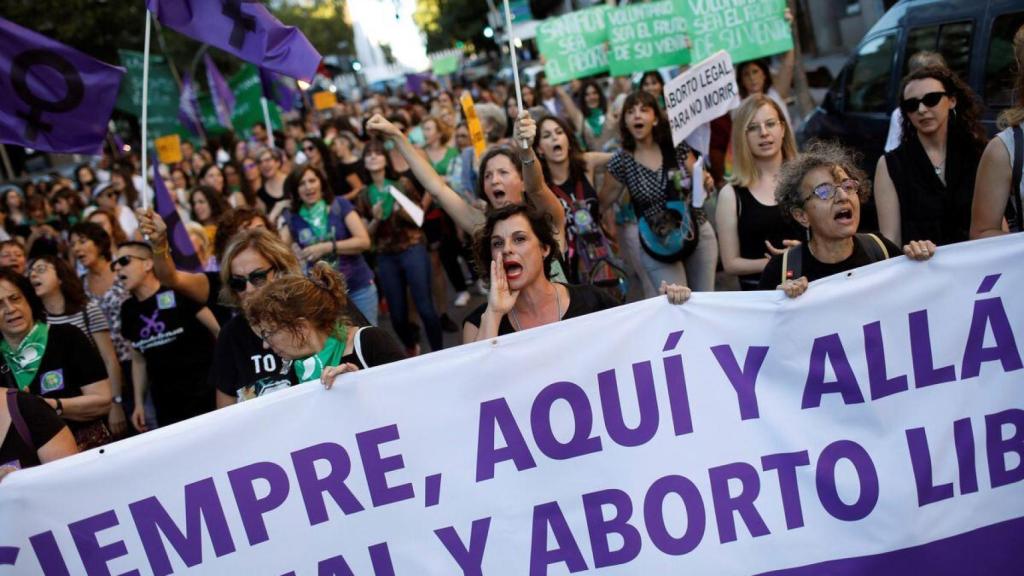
(446, 22)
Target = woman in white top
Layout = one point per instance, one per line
(995, 181)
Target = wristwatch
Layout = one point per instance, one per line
(59, 408)
(116, 399)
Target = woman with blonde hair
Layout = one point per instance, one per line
(751, 227)
(305, 320)
(999, 172)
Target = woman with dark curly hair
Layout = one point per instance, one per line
(924, 188)
(822, 190)
(517, 245)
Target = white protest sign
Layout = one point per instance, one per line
(410, 207)
(740, 433)
(701, 94)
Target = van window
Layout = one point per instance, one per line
(952, 40)
(1000, 67)
(867, 79)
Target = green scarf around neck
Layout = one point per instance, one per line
(316, 217)
(595, 119)
(312, 367)
(383, 195)
(24, 362)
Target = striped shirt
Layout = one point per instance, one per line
(89, 321)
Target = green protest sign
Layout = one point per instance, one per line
(162, 113)
(445, 64)
(248, 109)
(646, 37)
(245, 85)
(573, 45)
(746, 29)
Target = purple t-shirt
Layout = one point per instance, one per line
(357, 273)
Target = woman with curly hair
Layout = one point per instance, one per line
(924, 188)
(822, 190)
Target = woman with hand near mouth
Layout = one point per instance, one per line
(647, 165)
(304, 320)
(822, 190)
(751, 228)
(65, 302)
(57, 363)
(924, 188)
(518, 246)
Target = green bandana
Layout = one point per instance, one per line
(310, 368)
(595, 119)
(383, 195)
(316, 217)
(24, 362)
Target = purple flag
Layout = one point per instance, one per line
(182, 251)
(53, 97)
(275, 90)
(244, 28)
(188, 106)
(223, 98)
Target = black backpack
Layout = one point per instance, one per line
(792, 259)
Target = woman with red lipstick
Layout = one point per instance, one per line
(924, 188)
(751, 228)
(517, 244)
(822, 190)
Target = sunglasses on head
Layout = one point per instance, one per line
(257, 278)
(929, 100)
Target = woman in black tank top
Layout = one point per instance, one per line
(751, 227)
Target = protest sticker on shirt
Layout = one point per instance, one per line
(746, 29)
(165, 300)
(574, 45)
(646, 37)
(700, 95)
(51, 381)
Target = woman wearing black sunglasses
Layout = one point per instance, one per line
(822, 190)
(924, 187)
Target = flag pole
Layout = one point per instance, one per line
(145, 112)
(515, 66)
(7, 162)
(266, 119)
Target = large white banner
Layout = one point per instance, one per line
(704, 92)
(874, 424)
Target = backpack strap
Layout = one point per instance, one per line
(874, 247)
(16, 418)
(1017, 218)
(358, 345)
(792, 263)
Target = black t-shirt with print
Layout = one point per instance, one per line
(221, 312)
(178, 350)
(243, 368)
(69, 362)
(814, 269)
(42, 424)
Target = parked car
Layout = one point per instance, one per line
(974, 36)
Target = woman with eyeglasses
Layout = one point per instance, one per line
(66, 302)
(751, 228)
(924, 188)
(304, 320)
(325, 227)
(822, 190)
(57, 363)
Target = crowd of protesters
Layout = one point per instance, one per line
(310, 237)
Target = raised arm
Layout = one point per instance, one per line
(192, 284)
(572, 111)
(469, 219)
(533, 176)
(783, 80)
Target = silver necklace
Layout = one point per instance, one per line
(558, 312)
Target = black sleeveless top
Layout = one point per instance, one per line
(757, 223)
(929, 209)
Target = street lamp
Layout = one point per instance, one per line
(488, 32)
